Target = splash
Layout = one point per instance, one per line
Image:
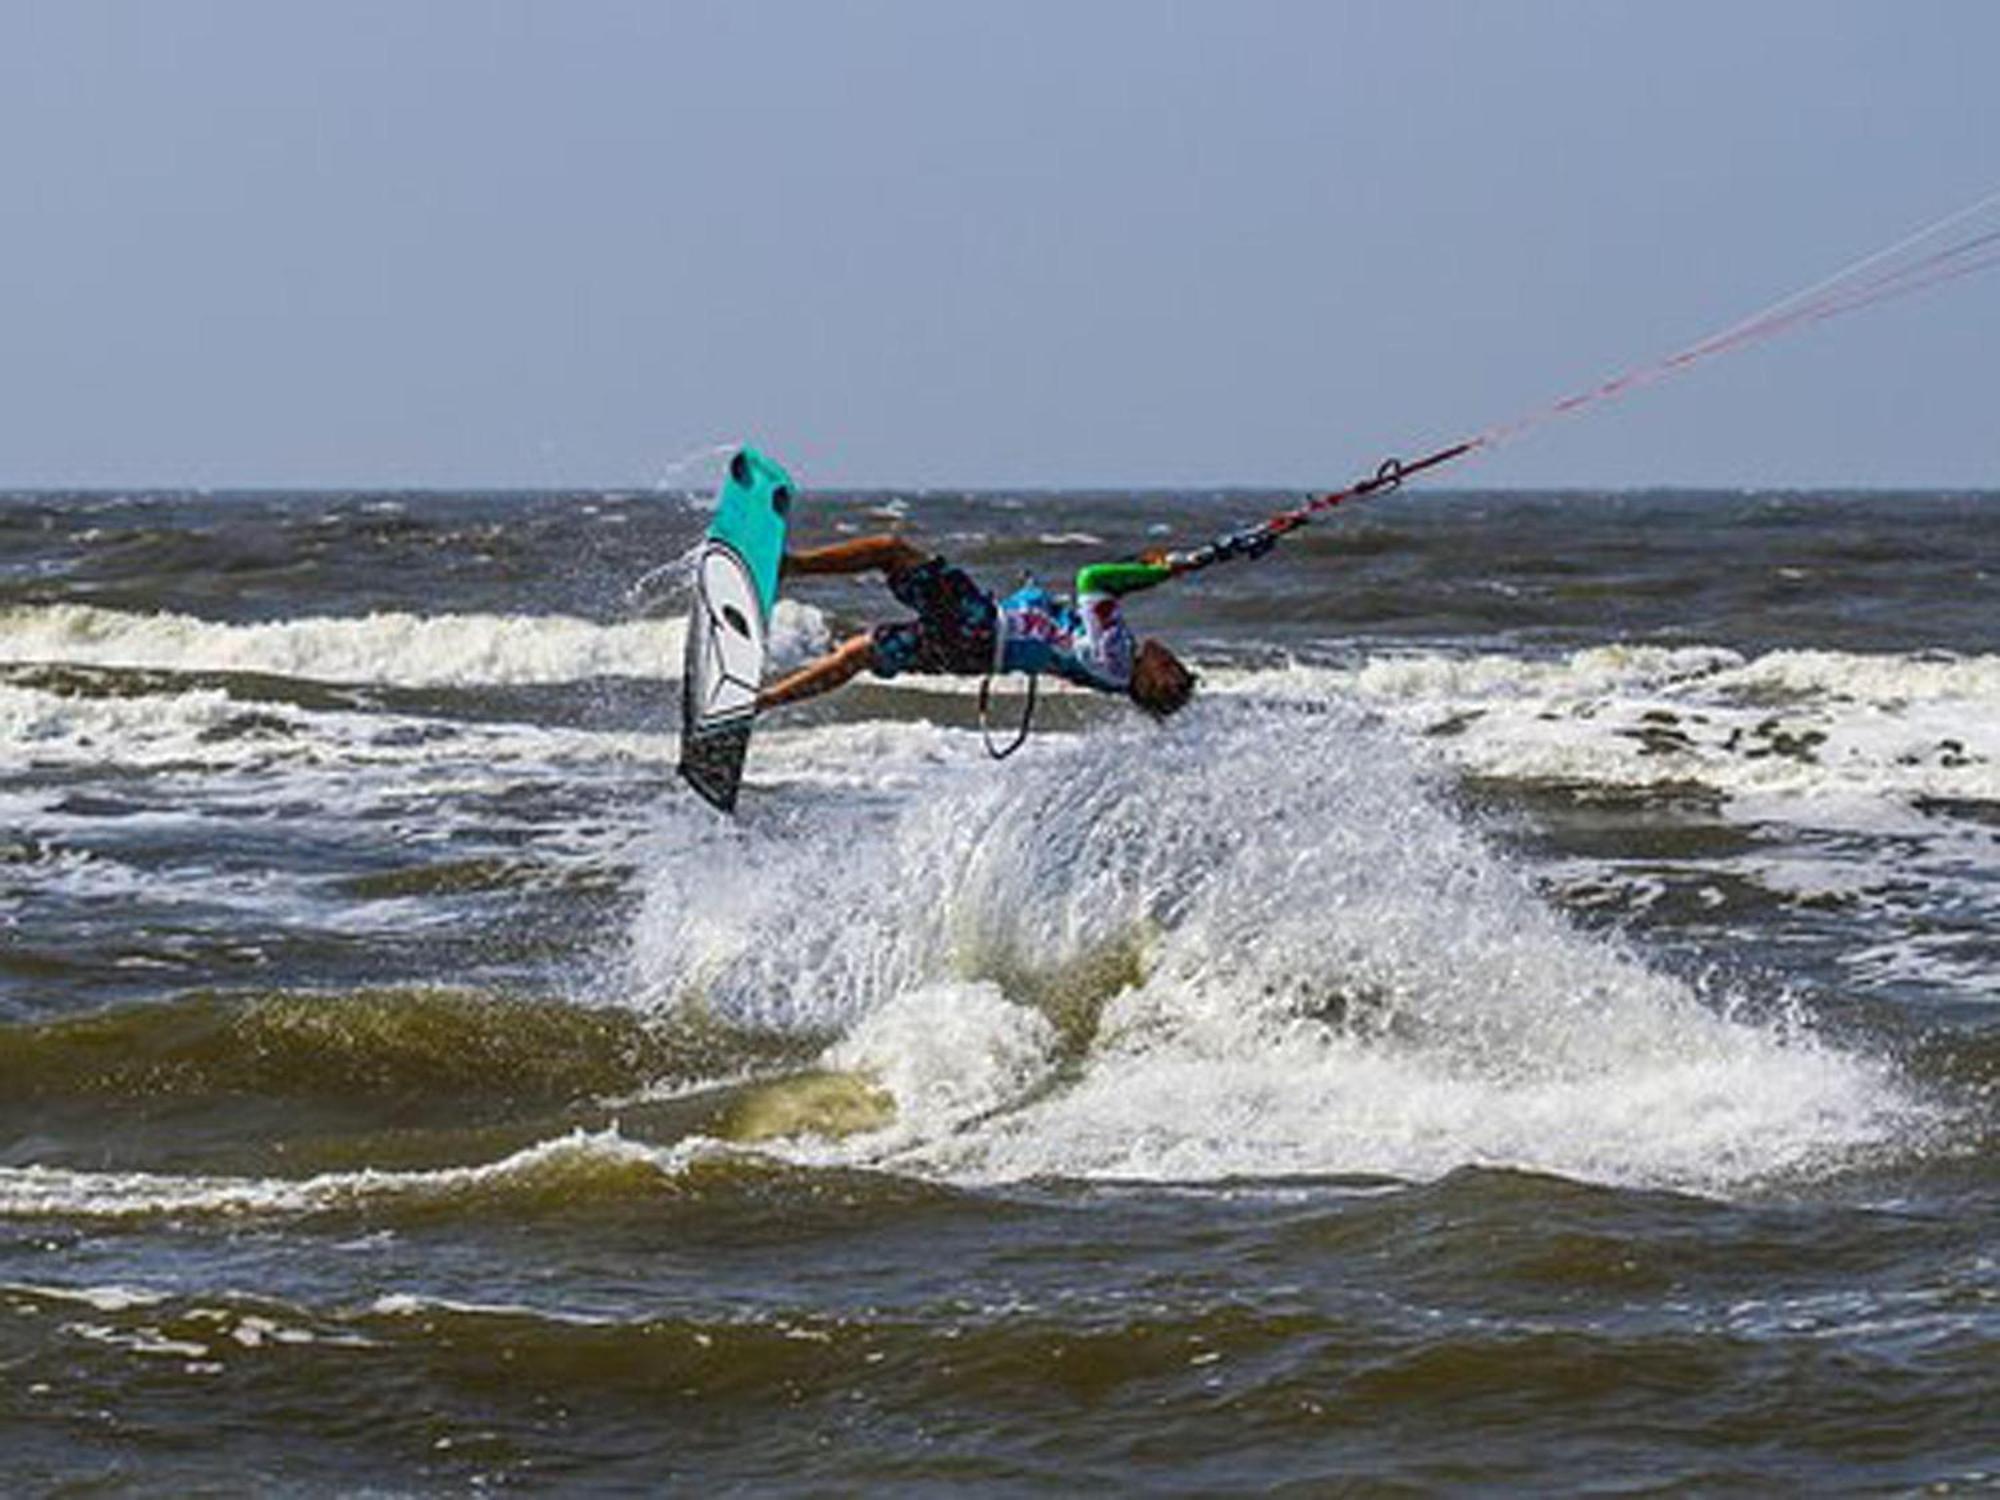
(1259, 942)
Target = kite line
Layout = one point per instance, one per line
(1884, 275)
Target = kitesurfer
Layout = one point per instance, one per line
(962, 629)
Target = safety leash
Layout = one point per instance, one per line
(986, 693)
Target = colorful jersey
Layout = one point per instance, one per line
(1087, 642)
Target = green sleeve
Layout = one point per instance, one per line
(1120, 577)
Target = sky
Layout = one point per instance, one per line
(1046, 243)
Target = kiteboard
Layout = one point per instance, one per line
(728, 628)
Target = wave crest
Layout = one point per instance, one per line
(389, 649)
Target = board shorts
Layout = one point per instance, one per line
(953, 630)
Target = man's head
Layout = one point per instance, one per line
(1160, 684)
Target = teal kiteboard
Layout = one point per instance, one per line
(729, 626)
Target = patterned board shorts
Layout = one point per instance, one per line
(953, 631)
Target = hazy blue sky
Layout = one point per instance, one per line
(1087, 242)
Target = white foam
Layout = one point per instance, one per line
(1881, 681)
(1755, 1109)
(1943, 962)
(947, 1054)
(210, 730)
(142, 1340)
(113, 1298)
(393, 649)
(36, 724)
(1337, 977)
(1812, 727)
(37, 1192)
(410, 1305)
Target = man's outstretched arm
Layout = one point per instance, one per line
(861, 555)
(821, 676)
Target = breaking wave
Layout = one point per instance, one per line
(446, 1050)
(395, 649)
(1256, 943)
(555, 1176)
(1792, 722)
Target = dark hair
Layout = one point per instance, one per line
(1161, 684)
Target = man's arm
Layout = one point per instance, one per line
(861, 555)
(821, 676)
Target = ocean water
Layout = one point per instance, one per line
(1532, 1025)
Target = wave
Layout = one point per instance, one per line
(394, 649)
(560, 1177)
(1319, 969)
(1793, 723)
(1888, 679)
(445, 1049)
(552, 1176)
(246, 726)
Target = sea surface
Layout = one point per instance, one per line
(1532, 1025)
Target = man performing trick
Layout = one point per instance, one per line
(961, 629)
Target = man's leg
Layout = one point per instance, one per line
(821, 676)
(861, 555)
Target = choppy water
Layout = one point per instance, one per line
(1534, 1024)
